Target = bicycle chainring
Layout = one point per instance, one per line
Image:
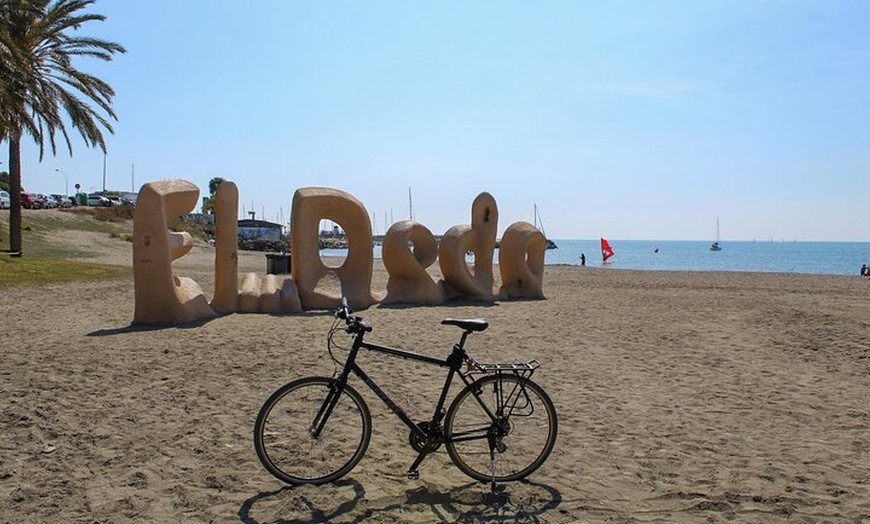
(432, 440)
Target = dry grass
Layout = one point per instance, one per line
(57, 244)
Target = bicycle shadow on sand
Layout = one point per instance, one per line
(345, 501)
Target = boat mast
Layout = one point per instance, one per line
(539, 221)
(410, 204)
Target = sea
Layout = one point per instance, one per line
(819, 258)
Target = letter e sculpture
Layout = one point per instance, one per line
(161, 297)
(409, 282)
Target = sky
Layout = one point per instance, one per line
(622, 119)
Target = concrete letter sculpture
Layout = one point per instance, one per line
(226, 257)
(161, 297)
(409, 282)
(521, 261)
(478, 238)
(310, 206)
(256, 294)
(268, 294)
(409, 249)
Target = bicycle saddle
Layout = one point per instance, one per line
(470, 324)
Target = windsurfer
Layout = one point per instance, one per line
(606, 250)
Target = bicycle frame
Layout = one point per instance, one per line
(453, 363)
(477, 425)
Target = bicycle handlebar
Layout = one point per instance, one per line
(354, 324)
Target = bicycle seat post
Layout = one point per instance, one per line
(461, 344)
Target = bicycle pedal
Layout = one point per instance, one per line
(413, 474)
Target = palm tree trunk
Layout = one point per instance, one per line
(15, 193)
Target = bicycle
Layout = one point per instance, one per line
(500, 427)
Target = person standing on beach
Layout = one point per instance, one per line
(864, 271)
(582, 259)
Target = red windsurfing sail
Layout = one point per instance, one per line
(606, 250)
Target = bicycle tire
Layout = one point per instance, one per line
(283, 439)
(527, 434)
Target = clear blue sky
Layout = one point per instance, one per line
(626, 119)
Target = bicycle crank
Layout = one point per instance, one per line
(430, 442)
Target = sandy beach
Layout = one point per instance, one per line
(682, 397)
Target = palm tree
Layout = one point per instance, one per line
(208, 202)
(41, 92)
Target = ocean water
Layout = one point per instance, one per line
(821, 258)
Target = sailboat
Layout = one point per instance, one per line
(606, 250)
(715, 246)
(540, 225)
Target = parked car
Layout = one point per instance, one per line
(5, 200)
(31, 201)
(47, 202)
(99, 201)
(120, 201)
(60, 200)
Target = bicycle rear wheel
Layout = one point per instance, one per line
(501, 427)
(284, 439)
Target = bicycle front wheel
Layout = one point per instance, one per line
(501, 427)
(286, 439)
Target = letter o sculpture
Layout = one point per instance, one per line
(521, 261)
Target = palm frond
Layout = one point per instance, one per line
(46, 93)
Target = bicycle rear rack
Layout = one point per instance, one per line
(522, 370)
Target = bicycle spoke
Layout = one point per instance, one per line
(286, 436)
(516, 443)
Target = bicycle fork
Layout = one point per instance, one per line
(326, 408)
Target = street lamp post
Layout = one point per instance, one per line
(65, 182)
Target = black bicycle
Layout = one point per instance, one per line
(500, 427)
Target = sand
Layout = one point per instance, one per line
(682, 397)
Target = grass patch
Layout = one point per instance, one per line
(46, 260)
(33, 271)
(49, 262)
(106, 214)
(38, 225)
(100, 220)
(195, 229)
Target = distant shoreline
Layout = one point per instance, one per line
(813, 258)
